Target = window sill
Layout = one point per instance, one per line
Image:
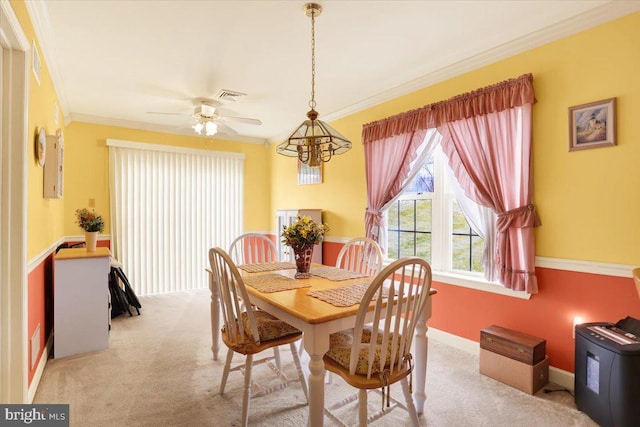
(479, 284)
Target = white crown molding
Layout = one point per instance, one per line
(87, 118)
(594, 17)
(16, 37)
(39, 15)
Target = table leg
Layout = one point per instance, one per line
(316, 391)
(215, 317)
(421, 343)
(316, 348)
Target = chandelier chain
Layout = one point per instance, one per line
(312, 103)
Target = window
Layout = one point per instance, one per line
(426, 221)
(410, 218)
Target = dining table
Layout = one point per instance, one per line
(317, 319)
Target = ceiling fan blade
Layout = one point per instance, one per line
(168, 114)
(186, 125)
(222, 128)
(241, 120)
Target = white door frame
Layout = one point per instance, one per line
(14, 95)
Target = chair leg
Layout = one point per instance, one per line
(225, 373)
(276, 356)
(301, 377)
(411, 408)
(362, 408)
(246, 392)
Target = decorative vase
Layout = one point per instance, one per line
(302, 255)
(91, 239)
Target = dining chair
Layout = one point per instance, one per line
(251, 248)
(377, 353)
(248, 332)
(360, 255)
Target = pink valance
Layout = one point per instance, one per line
(498, 97)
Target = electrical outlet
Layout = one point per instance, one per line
(92, 203)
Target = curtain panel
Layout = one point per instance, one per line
(487, 138)
(387, 166)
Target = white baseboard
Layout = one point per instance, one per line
(33, 387)
(561, 377)
(556, 375)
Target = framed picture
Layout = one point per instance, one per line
(309, 175)
(592, 125)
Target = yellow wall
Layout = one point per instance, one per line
(44, 216)
(587, 200)
(87, 170)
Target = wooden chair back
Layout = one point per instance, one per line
(232, 292)
(251, 248)
(360, 255)
(392, 325)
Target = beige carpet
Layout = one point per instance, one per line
(158, 371)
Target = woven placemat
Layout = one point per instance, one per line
(345, 296)
(266, 266)
(336, 274)
(274, 283)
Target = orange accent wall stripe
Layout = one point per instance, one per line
(549, 314)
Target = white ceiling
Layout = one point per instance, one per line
(114, 61)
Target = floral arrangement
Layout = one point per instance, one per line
(303, 232)
(89, 220)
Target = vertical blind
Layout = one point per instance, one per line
(169, 206)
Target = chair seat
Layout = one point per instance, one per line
(269, 327)
(341, 343)
(272, 332)
(361, 381)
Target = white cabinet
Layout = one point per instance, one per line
(80, 301)
(288, 217)
(53, 166)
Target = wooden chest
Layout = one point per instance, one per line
(513, 344)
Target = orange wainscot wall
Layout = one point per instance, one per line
(40, 305)
(549, 314)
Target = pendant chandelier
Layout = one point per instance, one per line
(314, 141)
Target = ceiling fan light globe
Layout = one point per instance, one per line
(211, 128)
(198, 128)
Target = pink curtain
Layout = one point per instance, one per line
(487, 137)
(490, 156)
(387, 165)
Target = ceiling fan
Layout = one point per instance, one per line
(207, 119)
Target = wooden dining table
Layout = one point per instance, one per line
(318, 319)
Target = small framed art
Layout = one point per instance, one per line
(309, 175)
(592, 125)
